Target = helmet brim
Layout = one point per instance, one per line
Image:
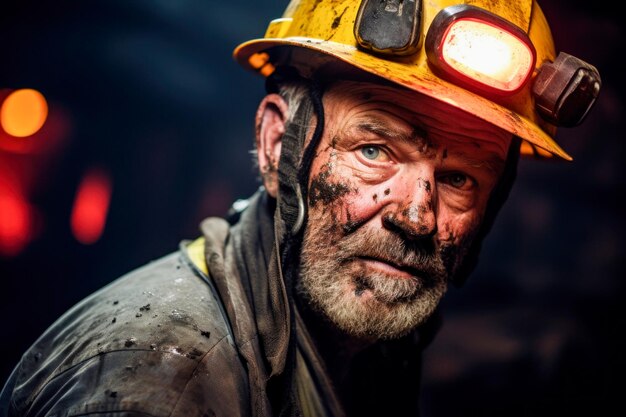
(418, 78)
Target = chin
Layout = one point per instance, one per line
(360, 312)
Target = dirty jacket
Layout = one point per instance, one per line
(166, 339)
(205, 331)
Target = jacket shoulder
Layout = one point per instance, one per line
(153, 342)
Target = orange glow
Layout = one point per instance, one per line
(50, 139)
(258, 59)
(23, 113)
(526, 149)
(260, 62)
(91, 206)
(16, 225)
(267, 70)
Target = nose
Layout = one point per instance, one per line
(412, 213)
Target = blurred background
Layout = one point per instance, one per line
(140, 125)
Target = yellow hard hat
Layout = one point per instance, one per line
(413, 43)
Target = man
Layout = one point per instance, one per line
(386, 149)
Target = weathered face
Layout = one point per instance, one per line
(397, 191)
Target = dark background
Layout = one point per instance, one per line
(147, 92)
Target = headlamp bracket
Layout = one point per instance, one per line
(565, 90)
(390, 27)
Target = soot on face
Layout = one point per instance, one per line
(449, 254)
(426, 184)
(326, 191)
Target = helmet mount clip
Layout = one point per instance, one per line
(389, 27)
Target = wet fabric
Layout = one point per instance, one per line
(161, 341)
(152, 343)
(166, 340)
(243, 265)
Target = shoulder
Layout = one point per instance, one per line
(153, 342)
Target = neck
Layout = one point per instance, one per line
(336, 348)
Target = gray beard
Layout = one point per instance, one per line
(335, 281)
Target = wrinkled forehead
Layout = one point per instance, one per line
(400, 109)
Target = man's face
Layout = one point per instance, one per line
(397, 191)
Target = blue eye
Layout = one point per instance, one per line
(370, 152)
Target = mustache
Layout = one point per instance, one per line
(418, 257)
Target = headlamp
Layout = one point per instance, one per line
(479, 50)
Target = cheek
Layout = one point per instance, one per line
(364, 203)
(335, 189)
(454, 228)
(326, 188)
(454, 237)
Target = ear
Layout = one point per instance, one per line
(270, 126)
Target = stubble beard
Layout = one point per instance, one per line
(362, 301)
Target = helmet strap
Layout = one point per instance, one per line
(293, 175)
(296, 159)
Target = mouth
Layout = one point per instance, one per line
(390, 268)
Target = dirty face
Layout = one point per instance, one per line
(397, 191)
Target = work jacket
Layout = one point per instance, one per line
(208, 330)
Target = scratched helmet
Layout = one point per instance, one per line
(493, 59)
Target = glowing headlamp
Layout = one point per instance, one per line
(480, 50)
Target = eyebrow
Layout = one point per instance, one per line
(382, 129)
(491, 161)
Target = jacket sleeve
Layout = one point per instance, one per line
(152, 343)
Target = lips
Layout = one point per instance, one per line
(387, 282)
(390, 267)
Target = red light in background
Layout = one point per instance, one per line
(16, 219)
(32, 134)
(49, 138)
(91, 206)
(23, 112)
